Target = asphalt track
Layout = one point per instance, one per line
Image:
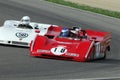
(16, 63)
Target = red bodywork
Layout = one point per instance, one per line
(93, 46)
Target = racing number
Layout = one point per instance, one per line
(55, 49)
(62, 50)
(59, 50)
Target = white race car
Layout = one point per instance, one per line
(21, 33)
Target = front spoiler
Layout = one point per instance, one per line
(15, 43)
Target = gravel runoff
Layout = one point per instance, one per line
(113, 5)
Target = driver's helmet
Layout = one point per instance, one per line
(77, 28)
(65, 32)
(25, 20)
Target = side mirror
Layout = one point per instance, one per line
(37, 31)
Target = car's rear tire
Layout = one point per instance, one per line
(104, 57)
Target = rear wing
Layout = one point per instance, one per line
(98, 35)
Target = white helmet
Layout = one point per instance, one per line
(25, 20)
(78, 29)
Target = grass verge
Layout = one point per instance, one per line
(88, 8)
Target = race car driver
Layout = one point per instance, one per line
(25, 22)
(79, 33)
(73, 33)
(65, 32)
(70, 33)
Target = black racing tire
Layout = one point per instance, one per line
(92, 57)
(104, 57)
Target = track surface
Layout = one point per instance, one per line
(16, 63)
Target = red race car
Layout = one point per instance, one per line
(71, 44)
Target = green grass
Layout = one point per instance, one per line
(88, 8)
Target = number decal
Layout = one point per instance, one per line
(55, 49)
(59, 50)
(62, 50)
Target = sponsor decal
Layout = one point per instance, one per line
(64, 42)
(72, 54)
(21, 35)
(59, 50)
(44, 51)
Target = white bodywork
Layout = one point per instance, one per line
(12, 35)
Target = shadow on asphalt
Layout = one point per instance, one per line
(14, 46)
(107, 61)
